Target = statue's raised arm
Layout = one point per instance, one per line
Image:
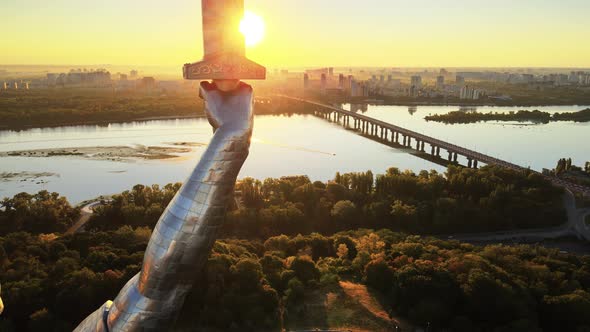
(183, 237)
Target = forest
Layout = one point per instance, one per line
(520, 116)
(46, 108)
(79, 106)
(461, 200)
(289, 238)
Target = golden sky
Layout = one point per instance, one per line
(388, 33)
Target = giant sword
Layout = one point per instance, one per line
(185, 233)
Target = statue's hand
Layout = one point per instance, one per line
(232, 109)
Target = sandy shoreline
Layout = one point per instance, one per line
(26, 176)
(113, 153)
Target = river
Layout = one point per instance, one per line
(282, 145)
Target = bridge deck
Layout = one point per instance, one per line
(471, 154)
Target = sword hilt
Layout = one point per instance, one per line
(223, 45)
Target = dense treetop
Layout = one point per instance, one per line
(290, 238)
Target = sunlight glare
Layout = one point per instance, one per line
(252, 27)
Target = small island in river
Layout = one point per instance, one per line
(520, 116)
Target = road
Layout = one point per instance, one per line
(575, 226)
(85, 214)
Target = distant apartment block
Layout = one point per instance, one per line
(459, 80)
(440, 82)
(469, 93)
(416, 81)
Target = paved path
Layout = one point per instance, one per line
(85, 214)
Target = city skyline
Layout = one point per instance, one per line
(378, 33)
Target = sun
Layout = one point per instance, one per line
(252, 27)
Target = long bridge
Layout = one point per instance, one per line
(395, 135)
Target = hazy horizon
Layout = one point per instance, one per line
(306, 33)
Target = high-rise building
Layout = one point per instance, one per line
(359, 89)
(382, 79)
(305, 81)
(353, 88)
(331, 71)
(133, 74)
(469, 93)
(123, 77)
(389, 78)
(459, 80)
(4, 86)
(416, 81)
(440, 82)
(341, 82)
(365, 89)
(148, 83)
(15, 85)
(323, 83)
(413, 91)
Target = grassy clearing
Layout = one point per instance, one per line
(346, 306)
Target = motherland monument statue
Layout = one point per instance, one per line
(185, 233)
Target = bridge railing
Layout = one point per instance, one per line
(442, 144)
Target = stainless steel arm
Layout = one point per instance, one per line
(183, 237)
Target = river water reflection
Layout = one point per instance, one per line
(299, 144)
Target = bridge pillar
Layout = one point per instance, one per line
(422, 147)
(469, 162)
(397, 137)
(418, 145)
(409, 141)
(455, 157)
(432, 150)
(475, 163)
(438, 151)
(450, 155)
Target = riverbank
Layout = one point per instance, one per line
(111, 153)
(98, 122)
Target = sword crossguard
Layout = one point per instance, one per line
(224, 45)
